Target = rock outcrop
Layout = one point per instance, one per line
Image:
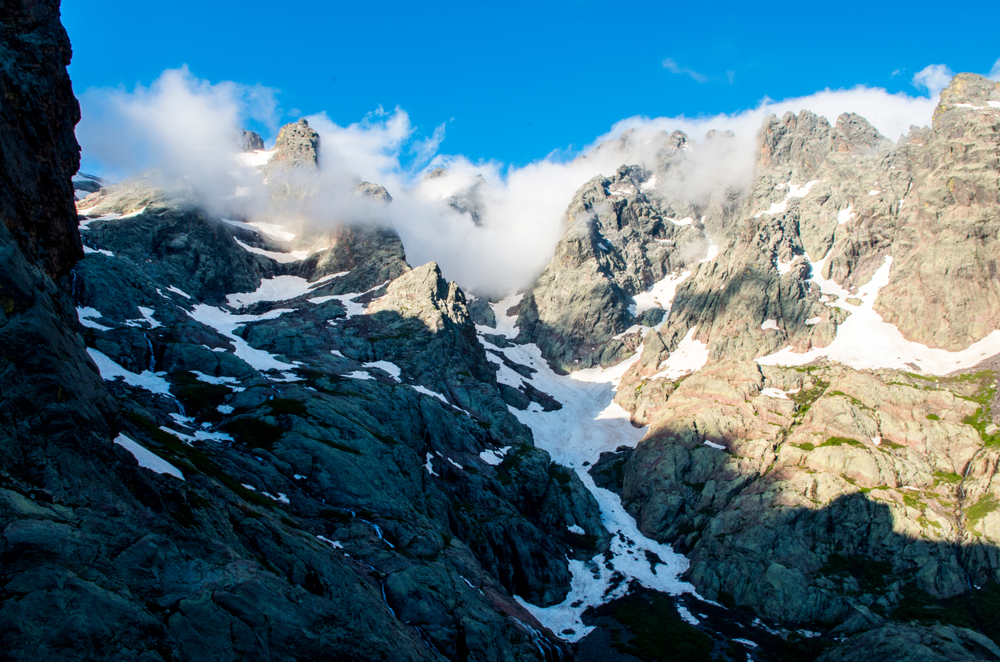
(38, 151)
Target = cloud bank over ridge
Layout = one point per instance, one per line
(185, 127)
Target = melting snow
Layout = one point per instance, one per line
(88, 250)
(690, 356)
(812, 321)
(111, 371)
(794, 191)
(683, 221)
(494, 457)
(209, 379)
(284, 258)
(866, 342)
(359, 374)
(279, 288)
(385, 366)
(771, 392)
(84, 315)
(712, 444)
(576, 528)
(427, 391)
(147, 459)
(844, 215)
(506, 324)
(588, 424)
(770, 324)
(179, 291)
(227, 323)
(660, 295)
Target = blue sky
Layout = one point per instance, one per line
(516, 81)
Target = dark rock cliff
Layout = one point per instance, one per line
(38, 151)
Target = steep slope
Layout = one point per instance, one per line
(232, 461)
(846, 496)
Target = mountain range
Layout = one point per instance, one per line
(727, 420)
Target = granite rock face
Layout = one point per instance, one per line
(618, 242)
(38, 150)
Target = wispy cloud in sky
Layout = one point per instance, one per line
(995, 71)
(671, 65)
(933, 78)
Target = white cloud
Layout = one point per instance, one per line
(995, 71)
(184, 126)
(671, 65)
(175, 124)
(933, 78)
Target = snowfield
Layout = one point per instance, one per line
(588, 424)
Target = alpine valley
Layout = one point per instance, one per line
(726, 422)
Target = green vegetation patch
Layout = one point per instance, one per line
(871, 574)
(842, 441)
(977, 609)
(947, 477)
(986, 505)
(287, 406)
(253, 432)
(652, 630)
(933, 417)
(805, 398)
(196, 459)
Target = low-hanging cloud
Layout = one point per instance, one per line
(184, 126)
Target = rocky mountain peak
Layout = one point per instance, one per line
(250, 141)
(376, 191)
(972, 89)
(297, 146)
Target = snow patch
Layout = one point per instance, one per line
(359, 374)
(85, 313)
(179, 291)
(429, 466)
(660, 295)
(866, 342)
(771, 392)
(88, 250)
(690, 356)
(494, 457)
(794, 191)
(111, 371)
(506, 324)
(227, 323)
(770, 324)
(209, 379)
(576, 528)
(427, 391)
(279, 288)
(844, 215)
(336, 544)
(588, 424)
(147, 459)
(284, 258)
(385, 366)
